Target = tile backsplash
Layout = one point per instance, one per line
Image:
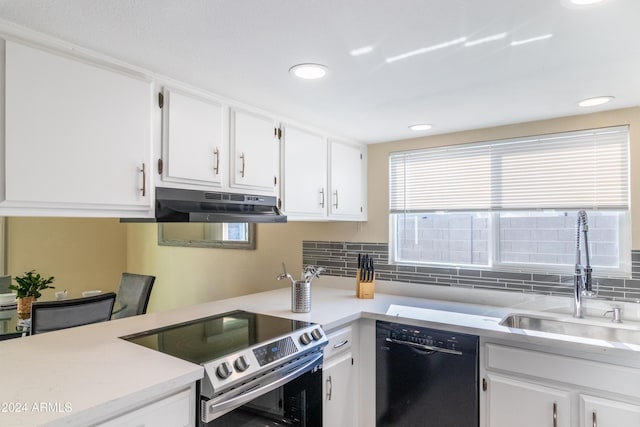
(340, 259)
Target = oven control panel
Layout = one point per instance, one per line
(275, 351)
(234, 368)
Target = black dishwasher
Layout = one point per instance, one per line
(425, 377)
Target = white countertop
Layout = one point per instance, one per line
(88, 372)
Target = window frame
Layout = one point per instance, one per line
(494, 216)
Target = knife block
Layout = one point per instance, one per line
(364, 290)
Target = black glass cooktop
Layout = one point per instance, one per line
(209, 338)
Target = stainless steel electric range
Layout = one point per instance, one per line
(259, 369)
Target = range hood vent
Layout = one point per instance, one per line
(178, 205)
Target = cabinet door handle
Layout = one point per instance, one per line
(336, 194)
(340, 344)
(144, 180)
(242, 170)
(322, 193)
(555, 414)
(329, 387)
(217, 155)
(594, 419)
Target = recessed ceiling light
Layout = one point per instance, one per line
(592, 102)
(309, 71)
(420, 126)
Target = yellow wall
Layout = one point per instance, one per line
(81, 253)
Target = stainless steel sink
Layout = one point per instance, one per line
(579, 328)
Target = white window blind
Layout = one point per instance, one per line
(572, 170)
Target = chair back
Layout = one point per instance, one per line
(49, 316)
(133, 295)
(10, 336)
(5, 281)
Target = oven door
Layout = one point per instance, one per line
(291, 396)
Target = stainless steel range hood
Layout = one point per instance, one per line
(177, 205)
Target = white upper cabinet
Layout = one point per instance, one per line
(322, 179)
(194, 140)
(347, 177)
(304, 186)
(255, 153)
(77, 138)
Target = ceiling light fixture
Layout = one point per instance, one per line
(425, 50)
(361, 51)
(485, 39)
(597, 100)
(531, 40)
(309, 71)
(420, 126)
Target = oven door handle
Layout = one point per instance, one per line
(211, 409)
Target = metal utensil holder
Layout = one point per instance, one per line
(301, 296)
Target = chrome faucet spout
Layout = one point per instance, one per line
(583, 282)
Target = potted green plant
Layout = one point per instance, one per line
(28, 290)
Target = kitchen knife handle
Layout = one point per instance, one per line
(216, 153)
(329, 387)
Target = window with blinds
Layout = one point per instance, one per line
(513, 202)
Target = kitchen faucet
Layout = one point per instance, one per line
(582, 278)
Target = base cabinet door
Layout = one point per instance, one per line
(599, 412)
(339, 407)
(512, 402)
(177, 410)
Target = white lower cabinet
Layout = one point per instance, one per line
(177, 410)
(512, 402)
(521, 387)
(339, 375)
(599, 412)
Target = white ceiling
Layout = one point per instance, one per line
(242, 49)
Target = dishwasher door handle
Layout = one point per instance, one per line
(424, 347)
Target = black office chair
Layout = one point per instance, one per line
(10, 336)
(133, 295)
(49, 316)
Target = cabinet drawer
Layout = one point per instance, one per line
(339, 341)
(581, 372)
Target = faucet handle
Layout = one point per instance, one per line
(617, 318)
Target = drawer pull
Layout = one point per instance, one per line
(329, 388)
(594, 419)
(555, 414)
(340, 344)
